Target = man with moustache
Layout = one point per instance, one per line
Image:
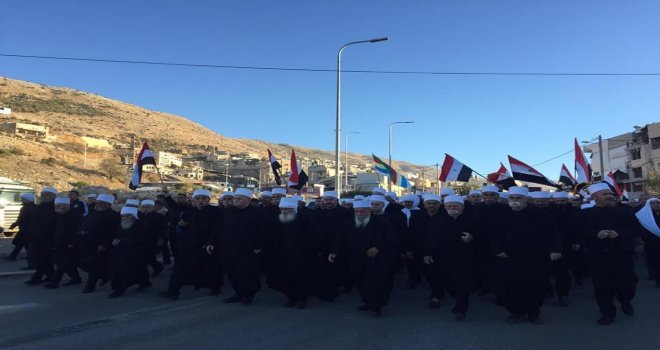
(67, 225)
(41, 235)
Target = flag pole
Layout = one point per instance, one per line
(160, 176)
(481, 175)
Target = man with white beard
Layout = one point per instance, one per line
(372, 249)
(294, 250)
(129, 266)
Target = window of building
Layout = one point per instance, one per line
(637, 172)
(636, 154)
(655, 142)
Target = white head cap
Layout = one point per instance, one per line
(540, 195)
(379, 190)
(266, 194)
(359, 197)
(129, 211)
(432, 197)
(289, 202)
(409, 197)
(105, 197)
(279, 190)
(148, 202)
(345, 200)
(599, 186)
(91, 195)
(390, 195)
(332, 194)
(201, 192)
(490, 188)
(377, 198)
(245, 192)
(28, 197)
(62, 200)
(454, 199)
(447, 191)
(361, 204)
(475, 192)
(134, 202)
(226, 194)
(519, 190)
(49, 190)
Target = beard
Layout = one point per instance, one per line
(126, 224)
(287, 218)
(362, 222)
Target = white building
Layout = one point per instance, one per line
(167, 159)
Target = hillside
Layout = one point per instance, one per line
(71, 114)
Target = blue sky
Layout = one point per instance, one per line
(477, 119)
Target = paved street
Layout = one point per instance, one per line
(36, 318)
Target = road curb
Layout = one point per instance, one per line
(16, 273)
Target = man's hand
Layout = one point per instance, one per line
(331, 258)
(466, 237)
(182, 223)
(428, 260)
(555, 256)
(115, 242)
(257, 251)
(373, 251)
(602, 234)
(502, 255)
(209, 249)
(613, 234)
(576, 247)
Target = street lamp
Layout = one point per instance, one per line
(389, 142)
(338, 118)
(600, 152)
(346, 158)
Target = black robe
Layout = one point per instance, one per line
(330, 276)
(41, 237)
(23, 222)
(295, 248)
(97, 229)
(237, 236)
(373, 276)
(652, 251)
(66, 227)
(129, 266)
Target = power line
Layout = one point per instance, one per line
(316, 70)
(553, 158)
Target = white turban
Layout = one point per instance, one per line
(377, 198)
(62, 200)
(287, 202)
(475, 192)
(490, 188)
(359, 197)
(390, 195)
(361, 204)
(432, 197)
(49, 190)
(107, 198)
(332, 194)
(447, 191)
(266, 194)
(28, 197)
(454, 199)
(279, 190)
(91, 195)
(201, 192)
(148, 202)
(519, 190)
(135, 202)
(540, 195)
(599, 186)
(227, 194)
(129, 211)
(379, 190)
(646, 217)
(245, 192)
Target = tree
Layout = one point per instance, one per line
(653, 183)
(111, 168)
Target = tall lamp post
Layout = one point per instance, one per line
(346, 155)
(338, 118)
(389, 142)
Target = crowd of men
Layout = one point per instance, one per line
(518, 245)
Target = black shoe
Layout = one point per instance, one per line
(50, 285)
(115, 294)
(157, 271)
(301, 304)
(290, 303)
(374, 313)
(33, 282)
(604, 320)
(247, 300)
(144, 286)
(363, 307)
(169, 295)
(88, 290)
(535, 319)
(72, 283)
(459, 315)
(434, 304)
(627, 308)
(232, 299)
(215, 291)
(515, 318)
(561, 301)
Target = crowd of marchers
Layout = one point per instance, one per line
(518, 245)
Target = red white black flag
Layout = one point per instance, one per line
(502, 178)
(298, 177)
(524, 172)
(453, 170)
(276, 166)
(609, 178)
(145, 157)
(566, 178)
(581, 165)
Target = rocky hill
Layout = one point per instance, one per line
(71, 114)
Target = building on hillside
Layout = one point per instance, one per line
(25, 130)
(92, 142)
(195, 173)
(168, 159)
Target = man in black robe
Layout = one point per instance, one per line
(414, 243)
(192, 266)
(330, 277)
(129, 266)
(23, 221)
(175, 208)
(372, 247)
(294, 250)
(77, 205)
(41, 236)
(609, 233)
(94, 241)
(64, 256)
(238, 240)
(155, 225)
(450, 245)
(564, 216)
(527, 242)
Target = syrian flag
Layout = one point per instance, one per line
(624, 196)
(276, 166)
(145, 157)
(298, 178)
(609, 178)
(524, 172)
(502, 178)
(566, 178)
(453, 170)
(581, 165)
(388, 171)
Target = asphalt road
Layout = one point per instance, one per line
(36, 318)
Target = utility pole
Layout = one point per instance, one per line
(437, 176)
(602, 163)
